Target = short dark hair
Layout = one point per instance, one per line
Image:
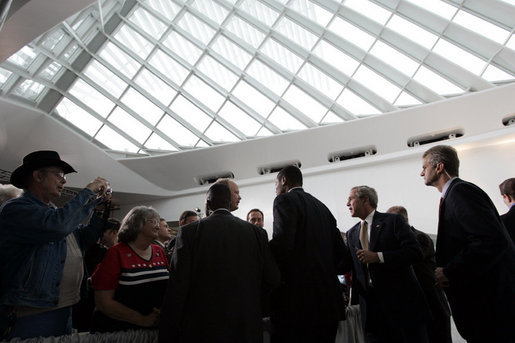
(444, 154)
(292, 174)
(218, 196)
(255, 210)
(113, 225)
(508, 187)
(399, 210)
(186, 214)
(367, 192)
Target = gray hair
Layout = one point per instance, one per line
(367, 192)
(134, 222)
(8, 192)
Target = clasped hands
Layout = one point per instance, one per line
(366, 256)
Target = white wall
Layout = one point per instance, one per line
(485, 160)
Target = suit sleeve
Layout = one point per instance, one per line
(408, 251)
(479, 230)
(172, 310)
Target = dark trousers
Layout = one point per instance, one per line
(304, 332)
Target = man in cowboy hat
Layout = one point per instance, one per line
(42, 247)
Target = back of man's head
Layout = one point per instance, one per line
(218, 196)
(186, 216)
(293, 176)
(364, 192)
(444, 154)
(399, 210)
(508, 187)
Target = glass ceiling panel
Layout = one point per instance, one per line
(320, 81)
(260, 11)
(208, 7)
(296, 33)
(179, 75)
(281, 55)
(336, 57)
(119, 60)
(199, 29)
(352, 34)
(284, 120)
(369, 9)
(165, 8)
(312, 11)
(245, 31)
(105, 78)
(191, 113)
(204, 93)
(129, 124)
(134, 41)
(231, 52)
(150, 24)
(169, 67)
(412, 31)
(305, 103)
(155, 86)
(115, 141)
(29, 89)
(267, 77)
(92, 97)
(356, 105)
(218, 133)
(180, 134)
(481, 27)
(142, 106)
(78, 117)
(182, 47)
(253, 98)
(240, 119)
(217, 72)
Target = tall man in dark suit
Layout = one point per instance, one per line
(309, 251)
(383, 248)
(475, 257)
(439, 327)
(508, 195)
(220, 272)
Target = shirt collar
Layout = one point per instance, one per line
(447, 185)
(291, 189)
(221, 210)
(369, 218)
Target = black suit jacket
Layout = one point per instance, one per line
(395, 298)
(509, 222)
(221, 268)
(478, 257)
(310, 253)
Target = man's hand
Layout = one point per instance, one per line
(441, 280)
(99, 186)
(366, 256)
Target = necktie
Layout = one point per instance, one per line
(363, 235)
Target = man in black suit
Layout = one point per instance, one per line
(383, 248)
(508, 195)
(475, 257)
(220, 272)
(439, 327)
(309, 251)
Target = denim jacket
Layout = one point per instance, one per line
(33, 246)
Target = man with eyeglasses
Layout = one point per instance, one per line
(41, 250)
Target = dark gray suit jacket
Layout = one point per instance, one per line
(398, 300)
(220, 272)
(310, 253)
(478, 257)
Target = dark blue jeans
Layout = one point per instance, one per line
(50, 323)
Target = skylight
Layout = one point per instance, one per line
(176, 75)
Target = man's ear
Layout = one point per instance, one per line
(440, 167)
(37, 176)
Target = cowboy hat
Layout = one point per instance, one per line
(36, 160)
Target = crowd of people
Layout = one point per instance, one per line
(217, 277)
